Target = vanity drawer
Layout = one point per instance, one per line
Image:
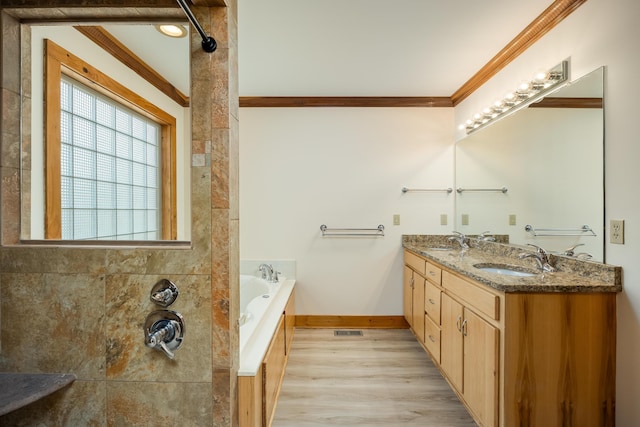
(434, 273)
(432, 338)
(432, 302)
(415, 262)
(483, 300)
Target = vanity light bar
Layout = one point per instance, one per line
(527, 92)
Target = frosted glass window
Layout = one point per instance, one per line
(110, 165)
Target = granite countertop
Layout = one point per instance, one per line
(572, 275)
(18, 390)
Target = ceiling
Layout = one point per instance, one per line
(351, 47)
(372, 47)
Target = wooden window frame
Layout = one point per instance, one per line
(59, 61)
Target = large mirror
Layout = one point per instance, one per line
(106, 132)
(548, 158)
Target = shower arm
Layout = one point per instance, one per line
(208, 43)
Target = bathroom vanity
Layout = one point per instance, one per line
(533, 349)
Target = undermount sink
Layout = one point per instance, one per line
(439, 249)
(506, 270)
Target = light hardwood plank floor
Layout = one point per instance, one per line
(383, 378)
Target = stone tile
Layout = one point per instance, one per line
(219, 26)
(81, 260)
(20, 259)
(221, 339)
(25, 222)
(145, 404)
(222, 409)
(220, 248)
(58, 324)
(10, 52)
(127, 307)
(234, 170)
(220, 87)
(10, 154)
(83, 403)
(10, 196)
(234, 295)
(220, 169)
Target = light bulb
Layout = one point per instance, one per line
(171, 30)
(524, 87)
(541, 76)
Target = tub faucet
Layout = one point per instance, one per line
(541, 257)
(461, 239)
(267, 272)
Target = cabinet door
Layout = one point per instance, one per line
(480, 367)
(418, 306)
(273, 372)
(407, 295)
(451, 340)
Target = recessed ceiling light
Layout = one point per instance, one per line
(172, 30)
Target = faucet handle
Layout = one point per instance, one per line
(571, 250)
(538, 249)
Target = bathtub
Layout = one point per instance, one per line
(261, 305)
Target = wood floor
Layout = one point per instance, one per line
(383, 378)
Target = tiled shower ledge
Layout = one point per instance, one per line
(18, 390)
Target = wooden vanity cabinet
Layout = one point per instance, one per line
(469, 358)
(413, 293)
(419, 278)
(524, 359)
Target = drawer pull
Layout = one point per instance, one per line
(432, 301)
(433, 273)
(464, 327)
(458, 325)
(431, 338)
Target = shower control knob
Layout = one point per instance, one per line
(164, 331)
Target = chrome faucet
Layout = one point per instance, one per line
(541, 257)
(483, 237)
(461, 239)
(572, 252)
(267, 272)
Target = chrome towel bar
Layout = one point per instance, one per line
(560, 231)
(501, 190)
(352, 232)
(432, 190)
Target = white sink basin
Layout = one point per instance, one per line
(506, 270)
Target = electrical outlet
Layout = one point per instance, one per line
(512, 219)
(465, 219)
(443, 219)
(396, 219)
(616, 231)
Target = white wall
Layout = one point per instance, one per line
(343, 167)
(599, 33)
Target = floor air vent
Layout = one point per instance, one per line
(347, 333)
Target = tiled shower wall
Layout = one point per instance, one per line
(81, 310)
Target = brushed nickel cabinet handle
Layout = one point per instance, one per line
(458, 323)
(432, 301)
(431, 338)
(464, 327)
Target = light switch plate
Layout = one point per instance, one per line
(396, 219)
(465, 219)
(616, 231)
(512, 219)
(443, 219)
